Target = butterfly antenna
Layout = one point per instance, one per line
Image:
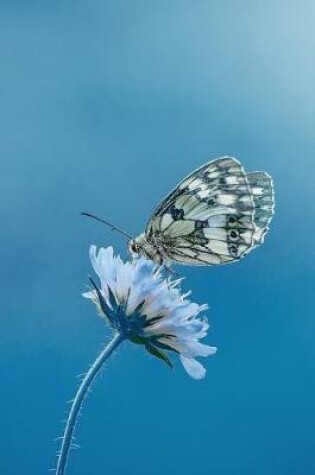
(114, 228)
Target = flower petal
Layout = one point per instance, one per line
(190, 347)
(193, 367)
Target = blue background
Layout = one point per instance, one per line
(104, 106)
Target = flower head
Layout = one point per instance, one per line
(140, 304)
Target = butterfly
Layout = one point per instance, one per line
(216, 215)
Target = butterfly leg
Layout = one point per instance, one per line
(170, 270)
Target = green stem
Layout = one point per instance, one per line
(78, 400)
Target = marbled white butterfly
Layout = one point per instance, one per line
(216, 215)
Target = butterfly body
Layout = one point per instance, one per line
(152, 248)
(216, 215)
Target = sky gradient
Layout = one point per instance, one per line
(104, 107)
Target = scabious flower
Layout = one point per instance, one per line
(145, 308)
(142, 306)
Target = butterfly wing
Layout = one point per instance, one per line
(261, 185)
(209, 218)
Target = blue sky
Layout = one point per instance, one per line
(105, 106)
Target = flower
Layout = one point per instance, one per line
(148, 309)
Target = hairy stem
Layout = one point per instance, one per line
(78, 400)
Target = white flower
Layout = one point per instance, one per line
(147, 309)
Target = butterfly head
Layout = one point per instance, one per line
(134, 247)
(137, 245)
(142, 247)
